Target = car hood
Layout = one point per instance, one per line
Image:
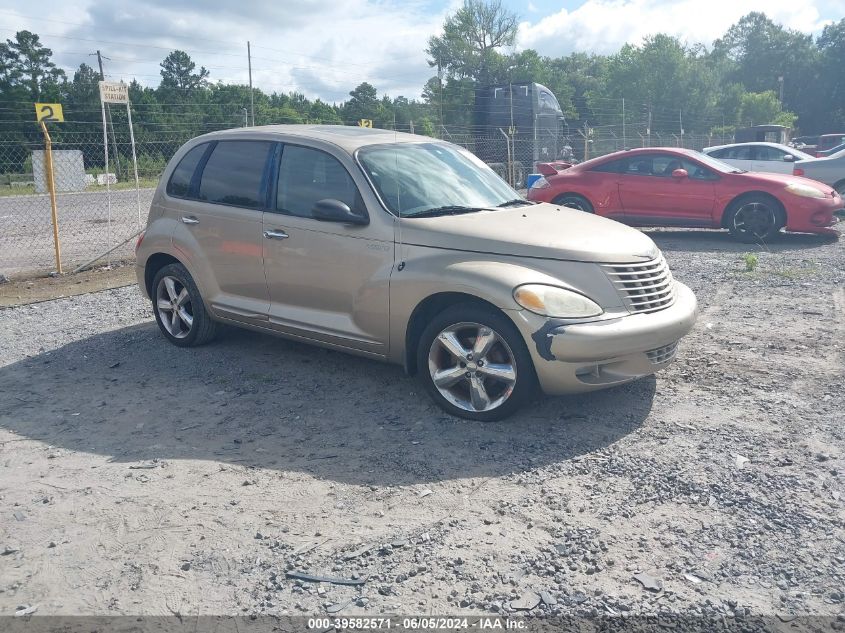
(543, 230)
(784, 179)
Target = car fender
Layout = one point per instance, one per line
(457, 275)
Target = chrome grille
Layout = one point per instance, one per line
(663, 354)
(644, 287)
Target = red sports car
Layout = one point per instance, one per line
(662, 186)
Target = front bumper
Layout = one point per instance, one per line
(813, 215)
(572, 358)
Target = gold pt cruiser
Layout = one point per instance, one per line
(410, 250)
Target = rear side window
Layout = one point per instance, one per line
(719, 153)
(180, 181)
(308, 175)
(611, 167)
(235, 174)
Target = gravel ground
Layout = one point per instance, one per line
(138, 478)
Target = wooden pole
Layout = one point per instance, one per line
(51, 187)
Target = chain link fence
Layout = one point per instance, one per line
(99, 211)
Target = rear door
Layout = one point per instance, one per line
(651, 195)
(220, 228)
(739, 156)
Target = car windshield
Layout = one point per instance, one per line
(425, 179)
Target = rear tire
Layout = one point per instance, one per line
(574, 201)
(479, 359)
(179, 309)
(755, 218)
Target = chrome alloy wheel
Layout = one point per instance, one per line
(754, 218)
(472, 367)
(173, 304)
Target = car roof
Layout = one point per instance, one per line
(637, 151)
(766, 143)
(347, 137)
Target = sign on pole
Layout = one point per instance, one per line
(365, 123)
(49, 112)
(118, 92)
(114, 92)
(45, 112)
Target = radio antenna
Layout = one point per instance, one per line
(401, 265)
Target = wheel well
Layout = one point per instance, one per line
(154, 264)
(560, 196)
(426, 310)
(748, 194)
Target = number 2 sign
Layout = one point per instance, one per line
(49, 112)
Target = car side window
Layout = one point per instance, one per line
(308, 175)
(719, 153)
(740, 152)
(235, 174)
(179, 184)
(611, 167)
(763, 152)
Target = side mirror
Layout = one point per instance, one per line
(788, 158)
(331, 210)
(680, 174)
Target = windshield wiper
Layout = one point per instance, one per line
(449, 209)
(516, 202)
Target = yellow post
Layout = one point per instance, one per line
(51, 187)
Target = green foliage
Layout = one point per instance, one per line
(751, 261)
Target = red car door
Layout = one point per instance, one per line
(650, 194)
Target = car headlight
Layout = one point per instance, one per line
(805, 191)
(552, 301)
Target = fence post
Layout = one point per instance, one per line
(51, 187)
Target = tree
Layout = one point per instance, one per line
(762, 108)
(363, 104)
(177, 72)
(470, 39)
(26, 61)
(766, 56)
(830, 105)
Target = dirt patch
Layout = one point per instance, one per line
(16, 292)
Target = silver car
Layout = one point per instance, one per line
(409, 250)
(829, 170)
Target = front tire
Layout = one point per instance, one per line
(574, 201)
(754, 219)
(474, 363)
(179, 308)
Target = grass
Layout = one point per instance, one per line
(751, 262)
(145, 183)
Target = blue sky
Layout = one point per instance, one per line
(324, 49)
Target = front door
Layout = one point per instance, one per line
(328, 281)
(650, 194)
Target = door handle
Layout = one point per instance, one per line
(276, 234)
(189, 219)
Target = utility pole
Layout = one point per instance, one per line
(780, 81)
(108, 114)
(251, 96)
(681, 126)
(624, 141)
(440, 100)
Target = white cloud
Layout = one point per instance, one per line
(602, 26)
(321, 49)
